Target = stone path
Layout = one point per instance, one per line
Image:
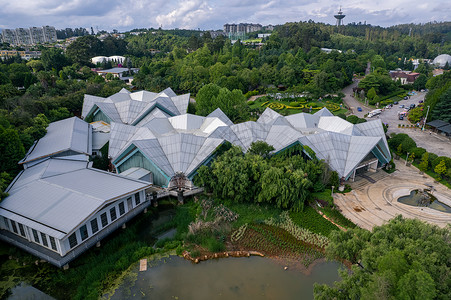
(373, 204)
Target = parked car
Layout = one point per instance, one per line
(401, 106)
(395, 103)
(359, 108)
(412, 106)
(401, 117)
(421, 101)
(405, 98)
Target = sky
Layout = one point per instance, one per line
(125, 15)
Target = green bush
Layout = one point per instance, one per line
(437, 160)
(397, 139)
(214, 245)
(408, 145)
(251, 93)
(295, 104)
(432, 157)
(418, 152)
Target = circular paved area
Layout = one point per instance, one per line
(373, 204)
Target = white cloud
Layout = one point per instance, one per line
(212, 14)
(187, 14)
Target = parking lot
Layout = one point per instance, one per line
(432, 142)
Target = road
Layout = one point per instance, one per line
(353, 103)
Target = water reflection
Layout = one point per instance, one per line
(232, 278)
(24, 291)
(424, 199)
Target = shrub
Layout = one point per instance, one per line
(397, 139)
(439, 159)
(214, 245)
(342, 115)
(408, 145)
(295, 104)
(418, 152)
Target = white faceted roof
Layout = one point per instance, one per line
(180, 143)
(137, 107)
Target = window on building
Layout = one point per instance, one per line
(44, 239)
(94, 226)
(35, 236)
(73, 240)
(113, 213)
(14, 226)
(5, 220)
(21, 229)
(84, 232)
(52, 242)
(137, 199)
(121, 208)
(104, 219)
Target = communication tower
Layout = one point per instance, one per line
(340, 16)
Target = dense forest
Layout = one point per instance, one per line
(36, 92)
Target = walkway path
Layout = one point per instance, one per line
(373, 204)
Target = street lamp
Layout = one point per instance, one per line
(332, 191)
(425, 119)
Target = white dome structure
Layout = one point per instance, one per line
(442, 59)
(99, 59)
(115, 58)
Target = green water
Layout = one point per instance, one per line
(230, 278)
(414, 200)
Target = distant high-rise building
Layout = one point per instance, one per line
(340, 16)
(9, 36)
(29, 36)
(242, 28)
(49, 34)
(37, 35)
(23, 36)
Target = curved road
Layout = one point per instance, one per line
(353, 103)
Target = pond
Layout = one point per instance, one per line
(424, 199)
(25, 291)
(228, 278)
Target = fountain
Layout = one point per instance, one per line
(423, 198)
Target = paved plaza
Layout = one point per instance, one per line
(373, 204)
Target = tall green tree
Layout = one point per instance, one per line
(403, 259)
(53, 58)
(232, 103)
(11, 149)
(84, 48)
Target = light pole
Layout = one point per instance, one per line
(332, 191)
(407, 157)
(425, 119)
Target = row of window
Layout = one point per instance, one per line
(38, 237)
(73, 241)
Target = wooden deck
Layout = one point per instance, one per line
(143, 265)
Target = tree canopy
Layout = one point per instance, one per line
(403, 259)
(232, 103)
